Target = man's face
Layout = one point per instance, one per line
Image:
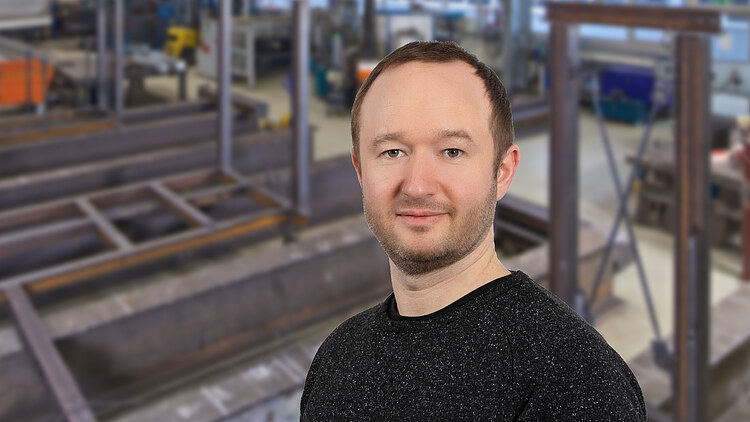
(426, 164)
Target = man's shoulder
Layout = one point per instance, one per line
(353, 326)
(532, 308)
(549, 331)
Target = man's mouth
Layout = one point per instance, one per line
(420, 216)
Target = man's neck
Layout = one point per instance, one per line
(424, 294)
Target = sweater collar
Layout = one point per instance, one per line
(387, 317)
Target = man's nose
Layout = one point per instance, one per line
(420, 177)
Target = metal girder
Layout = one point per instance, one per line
(82, 148)
(563, 156)
(259, 151)
(102, 97)
(224, 83)
(40, 345)
(91, 126)
(105, 227)
(180, 206)
(692, 277)
(301, 108)
(119, 45)
(663, 18)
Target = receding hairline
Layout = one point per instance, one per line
(422, 62)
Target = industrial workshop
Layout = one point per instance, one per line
(182, 225)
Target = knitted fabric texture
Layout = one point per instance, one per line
(508, 351)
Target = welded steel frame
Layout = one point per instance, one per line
(124, 254)
(692, 54)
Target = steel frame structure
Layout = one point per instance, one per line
(692, 53)
(204, 229)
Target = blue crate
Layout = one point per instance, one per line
(631, 82)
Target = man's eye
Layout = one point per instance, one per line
(453, 153)
(392, 153)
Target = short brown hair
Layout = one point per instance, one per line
(501, 119)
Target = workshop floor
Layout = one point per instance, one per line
(626, 327)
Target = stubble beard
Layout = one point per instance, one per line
(463, 237)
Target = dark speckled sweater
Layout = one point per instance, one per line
(508, 351)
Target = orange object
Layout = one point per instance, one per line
(362, 74)
(364, 68)
(15, 77)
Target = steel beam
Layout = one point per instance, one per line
(105, 227)
(563, 156)
(102, 94)
(119, 19)
(180, 206)
(692, 278)
(29, 239)
(25, 158)
(300, 109)
(42, 348)
(662, 18)
(224, 82)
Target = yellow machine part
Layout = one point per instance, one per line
(180, 39)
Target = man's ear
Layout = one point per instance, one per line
(356, 167)
(507, 170)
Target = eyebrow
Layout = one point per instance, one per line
(397, 136)
(445, 133)
(381, 139)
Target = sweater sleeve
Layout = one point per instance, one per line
(582, 389)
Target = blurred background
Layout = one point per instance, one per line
(181, 226)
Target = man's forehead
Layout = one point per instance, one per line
(420, 70)
(417, 94)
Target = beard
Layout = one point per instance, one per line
(466, 231)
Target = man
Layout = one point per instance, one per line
(461, 337)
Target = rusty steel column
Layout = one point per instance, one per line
(692, 278)
(563, 159)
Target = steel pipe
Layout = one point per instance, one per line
(300, 109)
(224, 81)
(102, 94)
(563, 158)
